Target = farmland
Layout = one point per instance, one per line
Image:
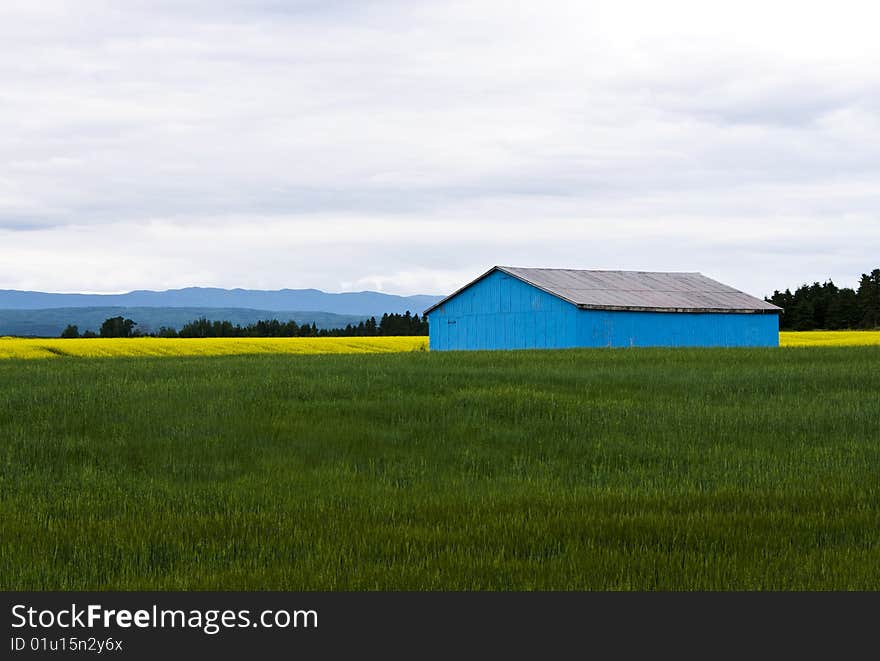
(208, 346)
(576, 469)
(143, 347)
(829, 338)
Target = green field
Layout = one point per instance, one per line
(581, 469)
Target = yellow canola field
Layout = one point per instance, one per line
(11, 347)
(212, 346)
(828, 338)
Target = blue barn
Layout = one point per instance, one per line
(525, 308)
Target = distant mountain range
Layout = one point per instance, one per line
(362, 303)
(41, 314)
(50, 322)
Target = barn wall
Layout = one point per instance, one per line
(606, 328)
(503, 312)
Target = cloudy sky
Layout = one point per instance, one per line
(407, 146)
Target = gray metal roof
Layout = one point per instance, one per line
(635, 290)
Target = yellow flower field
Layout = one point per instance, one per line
(828, 338)
(212, 346)
(11, 347)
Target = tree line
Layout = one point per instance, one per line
(829, 307)
(389, 324)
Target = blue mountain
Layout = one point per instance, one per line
(50, 322)
(361, 304)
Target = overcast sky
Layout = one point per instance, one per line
(408, 146)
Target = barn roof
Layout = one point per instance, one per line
(645, 291)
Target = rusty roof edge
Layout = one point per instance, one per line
(638, 308)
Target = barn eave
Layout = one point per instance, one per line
(635, 308)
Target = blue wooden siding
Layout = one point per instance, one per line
(503, 312)
(606, 328)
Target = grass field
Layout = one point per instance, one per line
(91, 348)
(581, 469)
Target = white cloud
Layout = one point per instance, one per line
(405, 146)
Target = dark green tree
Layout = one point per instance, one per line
(844, 311)
(827, 306)
(869, 299)
(390, 324)
(117, 327)
(198, 328)
(71, 331)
